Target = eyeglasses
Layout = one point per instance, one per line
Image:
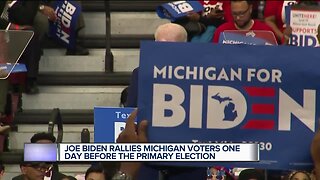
(240, 14)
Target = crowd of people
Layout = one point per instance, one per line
(28, 16)
(217, 17)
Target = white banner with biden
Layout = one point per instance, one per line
(199, 93)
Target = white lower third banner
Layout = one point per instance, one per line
(158, 152)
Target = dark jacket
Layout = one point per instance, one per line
(3, 23)
(55, 176)
(23, 12)
(132, 98)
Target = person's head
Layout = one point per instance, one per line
(299, 175)
(95, 172)
(34, 171)
(219, 173)
(241, 12)
(251, 174)
(43, 137)
(171, 32)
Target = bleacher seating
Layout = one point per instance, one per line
(76, 84)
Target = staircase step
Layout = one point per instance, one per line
(71, 133)
(135, 5)
(99, 41)
(73, 97)
(15, 156)
(84, 78)
(122, 23)
(94, 6)
(42, 116)
(55, 60)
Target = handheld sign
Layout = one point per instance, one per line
(305, 24)
(64, 28)
(225, 93)
(109, 122)
(254, 37)
(177, 9)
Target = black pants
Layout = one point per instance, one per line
(31, 57)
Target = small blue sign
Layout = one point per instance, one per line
(109, 122)
(256, 37)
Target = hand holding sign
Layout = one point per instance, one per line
(131, 134)
(216, 14)
(49, 12)
(193, 16)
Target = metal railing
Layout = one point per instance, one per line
(108, 54)
(56, 119)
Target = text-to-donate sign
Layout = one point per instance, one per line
(225, 93)
(64, 28)
(305, 24)
(257, 37)
(177, 9)
(109, 122)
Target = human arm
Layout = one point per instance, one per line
(271, 22)
(215, 18)
(49, 12)
(131, 134)
(271, 12)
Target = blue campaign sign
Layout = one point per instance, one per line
(177, 9)
(255, 37)
(192, 92)
(64, 28)
(109, 122)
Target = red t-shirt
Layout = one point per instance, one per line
(277, 9)
(222, 5)
(258, 25)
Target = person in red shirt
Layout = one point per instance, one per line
(241, 12)
(275, 17)
(196, 23)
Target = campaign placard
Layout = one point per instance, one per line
(251, 37)
(305, 24)
(231, 93)
(64, 28)
(109, 122)
(178, 9)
